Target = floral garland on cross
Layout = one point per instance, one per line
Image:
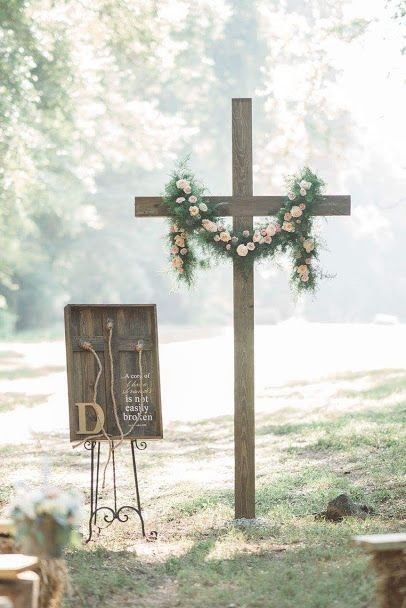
(194, 221)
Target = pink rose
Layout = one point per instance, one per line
(296, 211)
(228, 246)
(183, 251)
(257, 237)
(187, 189)
(267, 239)
(302, 206)
(174, 250)
(192, 199)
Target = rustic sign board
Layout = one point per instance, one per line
(138, 406)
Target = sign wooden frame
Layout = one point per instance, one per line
(132, 324)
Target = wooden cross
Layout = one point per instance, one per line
(243, 206)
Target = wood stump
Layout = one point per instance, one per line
(389, 561)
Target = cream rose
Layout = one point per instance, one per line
(187, 189)
(179, 241)
(203, 207)
(225, 236)
(183, 251)
(242, 250)
(250, 246)
(288, 227)
(302, 269)
(303, 192)
(308, 245)
(180, 199)
(257, 237)
(270, 230)
(296, 211)
(291, 196)
(181, 183)
(287, 217)
(192, 199)
(193, 210)
(209, 226)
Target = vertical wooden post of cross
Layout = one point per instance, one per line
(244, 391)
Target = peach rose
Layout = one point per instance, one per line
(308, 245)
(193, 210)
(209, 226)
(296, 211)
(177, 262)
(225, 236)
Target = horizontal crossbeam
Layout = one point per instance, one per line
(99, 343)
(152, 206)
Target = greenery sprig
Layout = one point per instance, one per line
(195, 221)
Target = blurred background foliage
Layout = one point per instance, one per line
(98, 100)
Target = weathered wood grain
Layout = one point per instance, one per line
(131, 323)
(258, 206)
(244, 391)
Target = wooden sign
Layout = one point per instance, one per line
(113, 372)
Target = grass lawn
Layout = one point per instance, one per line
(313, 446)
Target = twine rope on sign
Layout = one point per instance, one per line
(139, 349)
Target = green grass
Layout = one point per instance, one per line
(306, 455)
(9, 401)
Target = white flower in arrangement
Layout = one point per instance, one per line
(180, 199)
(291, 196)
(228, 246)
(296, 211)
(209, 225)
(187, 189)
(270, 230)
(179, 240)
(177, 262)
(174, 249)
(308, 245)
(225, 236)
(304, 185)
(288, 227)
(287, 217)
(242, 250)
(256, 237)
(250, 246)
(303, 192)
(193, 210)
(183, 251)
(246, 233)
(192, 199)
(182, 183)
(203, 207)
(216, 237)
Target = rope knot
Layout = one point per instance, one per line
(140, 346)
(109, 324)
(85, 345)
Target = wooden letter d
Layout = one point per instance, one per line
(83, 430)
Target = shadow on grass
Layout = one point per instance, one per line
(221, 570)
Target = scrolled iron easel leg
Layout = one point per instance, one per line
(90, 445)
